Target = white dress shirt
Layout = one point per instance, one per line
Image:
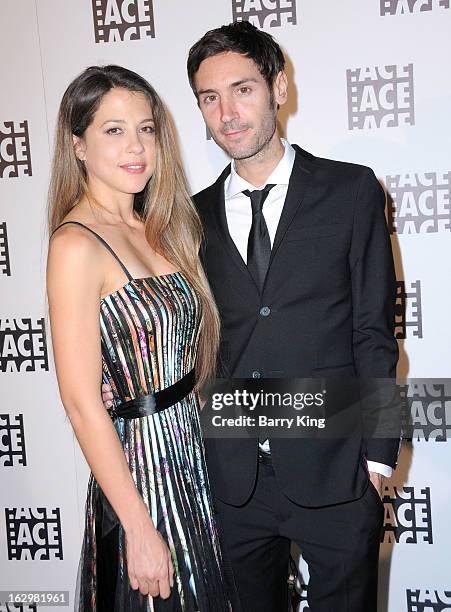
(239, 220)
(238, 206)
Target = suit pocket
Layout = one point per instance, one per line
(375, 494)
(296, 234)
(345, 369)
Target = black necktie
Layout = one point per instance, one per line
(259, 243)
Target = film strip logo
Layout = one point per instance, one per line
(5, 266)
(405, 7)
(119, 20)
(426, 409)
(428, 600)
(408, 311)
(18, 607)
(265, 13)
(419, 203)
(23, 345)
(34, 534)
(15, 155)
(380, 97)
(12, 441)
(408, 516)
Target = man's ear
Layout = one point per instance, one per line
(280, 88)
(79, 147)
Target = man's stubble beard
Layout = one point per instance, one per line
(261, 141)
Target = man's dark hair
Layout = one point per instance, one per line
(239, 37)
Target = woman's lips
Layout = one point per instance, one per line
(133, 168)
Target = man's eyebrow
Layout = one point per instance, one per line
(242, 81)
(205, 91)
(234, 84)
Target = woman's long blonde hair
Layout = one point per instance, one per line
(172, 225)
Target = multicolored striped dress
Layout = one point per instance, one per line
(149, 337)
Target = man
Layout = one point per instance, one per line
(299, 259)
(298, 256)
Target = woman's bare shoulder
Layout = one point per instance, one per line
(72, 238)
(75, 250)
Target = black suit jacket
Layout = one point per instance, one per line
(331, 291)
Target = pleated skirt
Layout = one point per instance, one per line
(165, 455)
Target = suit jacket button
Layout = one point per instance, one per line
(265, 311)
(256, 374)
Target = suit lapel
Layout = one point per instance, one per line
(299, 181)
(219, 219)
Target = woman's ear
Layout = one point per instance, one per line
(79, 147)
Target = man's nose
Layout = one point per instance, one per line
(228, 111)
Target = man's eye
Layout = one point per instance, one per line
(209, 99)
(245, 90)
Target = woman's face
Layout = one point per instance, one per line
(118, 147)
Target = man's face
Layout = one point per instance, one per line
(236, 103)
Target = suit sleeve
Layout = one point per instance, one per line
(375, 348)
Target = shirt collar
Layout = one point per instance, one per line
(279, 176)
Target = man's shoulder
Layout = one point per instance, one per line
(204, 194)
(334, 169)
(203, 197)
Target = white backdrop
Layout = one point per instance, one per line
(369, 83)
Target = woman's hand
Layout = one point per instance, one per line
(149, 561)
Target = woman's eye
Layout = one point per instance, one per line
(114, 130)
(149, 129)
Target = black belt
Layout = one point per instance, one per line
(156, 402)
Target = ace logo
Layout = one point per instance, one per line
(34, 534)
(408, 516)
(118, 20)
(403, 7)
(408, 311)
(15, 156)
(426, 410)
(428, 600)
(419, 203)
(265, 13)
(18, 607)
(23, 345)
(5, 267)
(12, 441)
(380, 97)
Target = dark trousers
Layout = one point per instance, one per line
(340, 544)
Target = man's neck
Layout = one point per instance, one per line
(256, 169)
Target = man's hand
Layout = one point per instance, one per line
(378, 481)
(107, 396)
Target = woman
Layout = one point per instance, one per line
(129, 304)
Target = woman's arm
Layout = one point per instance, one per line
(74, 284)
